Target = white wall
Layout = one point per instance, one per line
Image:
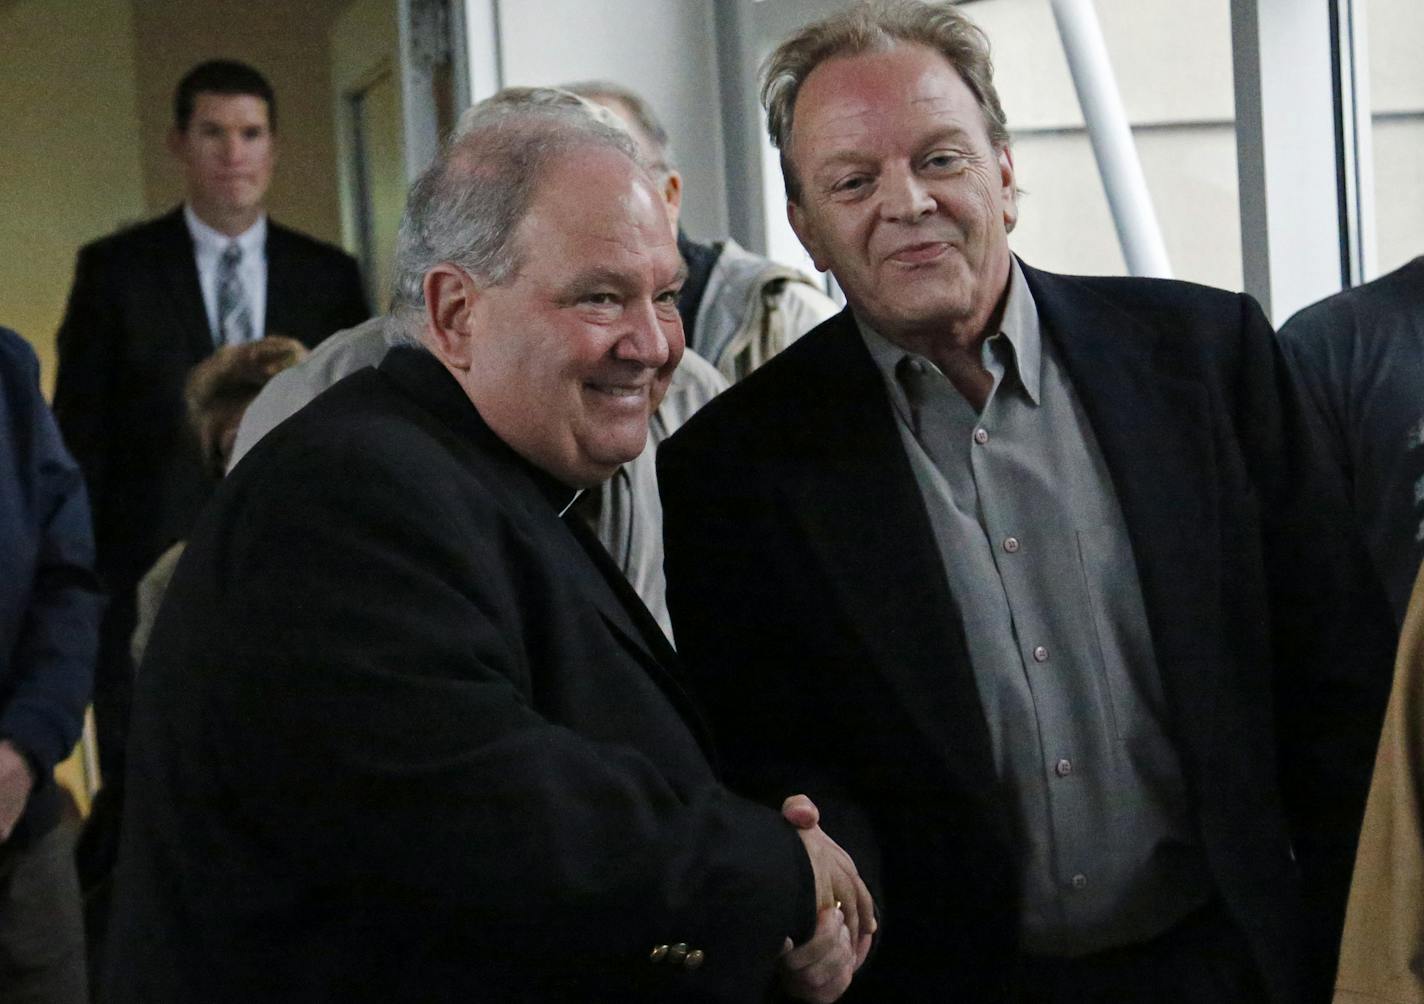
(1395, 39)
(663, 49)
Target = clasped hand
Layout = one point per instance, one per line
(820, 970)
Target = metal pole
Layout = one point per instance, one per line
(1123, 181)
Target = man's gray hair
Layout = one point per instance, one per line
(875, 26)
(643, 115)
(467, 205)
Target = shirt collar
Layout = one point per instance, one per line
(1019, 327)
(253, 240)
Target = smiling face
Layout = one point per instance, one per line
(569, 358)
(227, 153)
(902, 195)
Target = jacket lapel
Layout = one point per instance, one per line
(855, 492)
(180, 275)
(1153, 423)
(626, 615)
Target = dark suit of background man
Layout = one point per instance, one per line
(402, 732)
(1359, 355)
(50, 603)
(1024, 577)
(149, 303)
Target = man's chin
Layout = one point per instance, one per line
(613, 453)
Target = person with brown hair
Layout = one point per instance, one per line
(153, 300)
(217, 394)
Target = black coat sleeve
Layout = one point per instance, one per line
(734, 604)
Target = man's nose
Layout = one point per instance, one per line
(231, 147)
(645, 341)
(905, 197)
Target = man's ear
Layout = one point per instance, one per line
(672, 195)
(1009, 193)
(450, 297)
(796, 216)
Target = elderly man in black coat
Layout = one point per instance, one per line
(403, 733)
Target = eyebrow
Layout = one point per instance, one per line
(602, 276)
(850, 156)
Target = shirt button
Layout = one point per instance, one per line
(1040, 654)
(1011, 544)
(1080, 881)
(694, 959)
(1063, 767)
(981, 436)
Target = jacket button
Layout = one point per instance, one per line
(694, 959)
(658, 954)
(677, 953)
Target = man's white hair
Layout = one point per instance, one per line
(467, 205)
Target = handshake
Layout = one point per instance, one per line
(820, 970)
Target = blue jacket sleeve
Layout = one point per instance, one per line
(51, 606)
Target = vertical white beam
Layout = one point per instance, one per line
(482, 49)
(1357, 131)
(417, 113)
(1123, 182)
(1291, 232)
(742, 127)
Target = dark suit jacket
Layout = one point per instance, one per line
(812, 608)
(134, 327)
(1359, 355)
(399, 737)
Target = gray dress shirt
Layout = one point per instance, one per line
(1039, 562)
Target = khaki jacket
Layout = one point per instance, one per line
(1382, 953)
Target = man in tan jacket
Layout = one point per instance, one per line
(1382, 952)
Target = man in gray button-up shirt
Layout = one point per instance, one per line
(1030, 580)
(1021, 504)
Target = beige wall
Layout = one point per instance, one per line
(365, 59)
(70, 159)
(85, 100)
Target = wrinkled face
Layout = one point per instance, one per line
(903, 197)
(570, 358)
(227, 154)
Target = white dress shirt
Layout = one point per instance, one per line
(208, 246)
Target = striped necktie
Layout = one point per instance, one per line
(234, 314)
